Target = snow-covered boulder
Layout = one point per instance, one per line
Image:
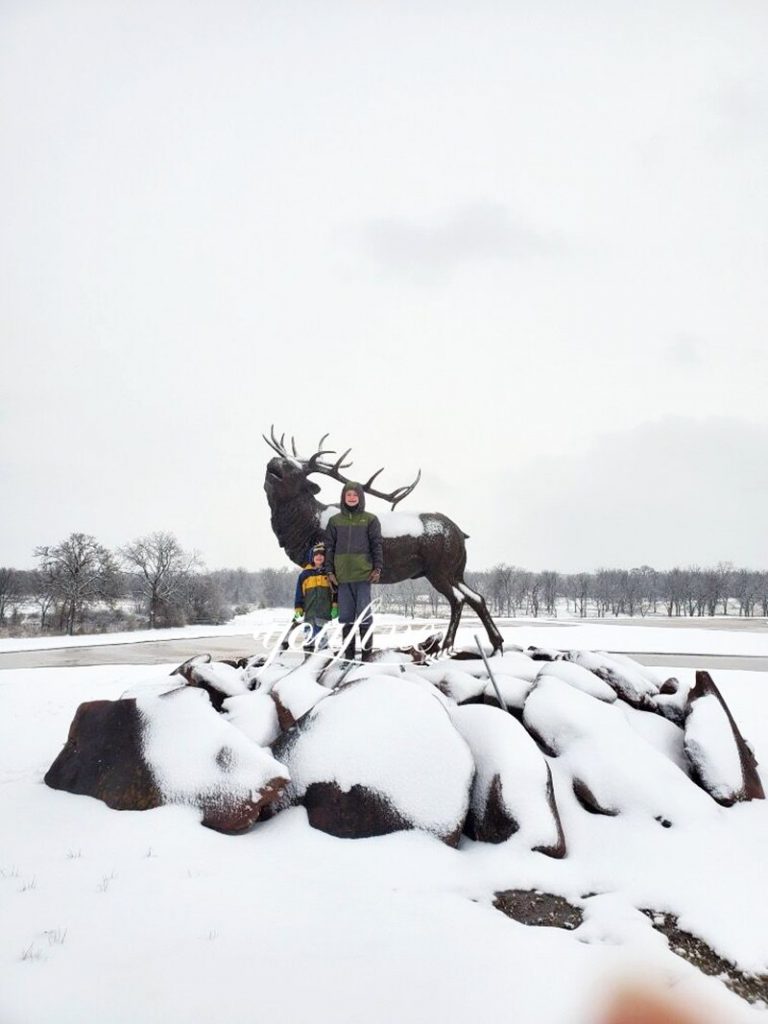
(419, 653)
(377, 756)
(543, 653)
(515, 663)
(512, 790)
(186, 666)
(721, 761)
(584, 680)
(462, 687)
(103, 757)
(513, 692)
(254, 714)
(264, 676)
(632, 682)
(140, 753)
(219, 680)
(612, 767)
(660, 732)
(295, 693)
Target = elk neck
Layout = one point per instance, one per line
(296, 525)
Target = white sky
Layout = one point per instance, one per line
(523, 247)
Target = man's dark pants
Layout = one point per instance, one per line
(354, 599)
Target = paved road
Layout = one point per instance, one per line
(163, 652)
(147, 652)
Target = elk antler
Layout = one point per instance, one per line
(314, 464)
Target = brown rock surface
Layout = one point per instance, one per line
(751, 787)
(102, 757)
(105, 757)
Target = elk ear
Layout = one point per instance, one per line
(313, 487)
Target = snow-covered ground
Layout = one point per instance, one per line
(237, 626)
(666, 637)
(146, 916)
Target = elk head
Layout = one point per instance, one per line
(287, 476)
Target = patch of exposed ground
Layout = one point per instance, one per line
(752, 987)
(529, 906)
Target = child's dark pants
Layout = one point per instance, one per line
(354, 599)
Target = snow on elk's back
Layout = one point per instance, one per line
(393, 524)
(434, 526)
(191, 749)
(710, 744)
(401, 524)
(393, 737)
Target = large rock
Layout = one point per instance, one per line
(512, 790)
(721, 761)
(632, 682)
(255, 714)
(377, 756)
(103, 757)
(297, 691)
(140, 753)
(219, 679)
(613, 767)
(581, 678)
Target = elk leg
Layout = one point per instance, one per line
(456, 602)
(477, 603)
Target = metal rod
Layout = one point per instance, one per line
(502, 705)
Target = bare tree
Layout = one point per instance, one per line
(42, 591)
(764, 592)
(549, 584)
(79, 571)
(724, 572)
(602, 589)
(746, 589)
(161, 566)
(204, 599)
(8, 590)
(532, 593)
(581, 584)
(500, 586)
(275, 588)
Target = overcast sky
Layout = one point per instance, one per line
(521, 246)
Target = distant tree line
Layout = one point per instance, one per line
(691, 591)
(153, 582)
(511, 591)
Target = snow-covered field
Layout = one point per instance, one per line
(668, 636)
(239, 625)
(146, 916)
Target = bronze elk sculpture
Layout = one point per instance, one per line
(423, 544)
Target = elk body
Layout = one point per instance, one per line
(423, 544)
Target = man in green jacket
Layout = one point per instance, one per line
(355, 560)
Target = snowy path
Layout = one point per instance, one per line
(165, 651)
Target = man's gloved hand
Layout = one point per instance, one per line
(334, 612)
(298, 615)
(332, 579)
(375, 576)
